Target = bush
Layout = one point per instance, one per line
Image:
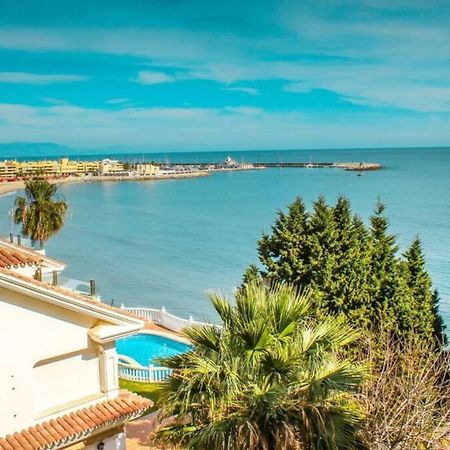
(407, 400)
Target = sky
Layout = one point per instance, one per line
(184, 75)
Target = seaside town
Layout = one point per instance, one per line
(13, 172)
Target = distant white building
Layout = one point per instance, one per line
(58, 376)
(230, 162)
(110, 167)
(145, 169)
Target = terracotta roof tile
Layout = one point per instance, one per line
(25, 252)
(77, 425)
(13, 259)
(68, 292)
(13, 256)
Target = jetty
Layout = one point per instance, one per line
(351, 166)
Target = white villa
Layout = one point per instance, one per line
(59, 381)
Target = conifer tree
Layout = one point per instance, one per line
(350, 290)
(323, 249)
(427, 320)
(351, 269)
(384, 279)
(285, 253)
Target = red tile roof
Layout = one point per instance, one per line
(29, 252)
(60, 290)
(78, 425)
(11, 258)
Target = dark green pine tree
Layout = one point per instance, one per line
(383, 270)
(285, 253)
(323, 250)
(251, 275)
(427, 320)
(392, 302)
(351, 270)
(349, 294)
(438, 323)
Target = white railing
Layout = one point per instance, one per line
(131, 370)
(163, 318)
(148, 314)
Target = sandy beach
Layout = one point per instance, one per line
(12, 186)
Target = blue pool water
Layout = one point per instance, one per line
(145, 348)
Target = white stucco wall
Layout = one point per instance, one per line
(47, 360)
(65, 379)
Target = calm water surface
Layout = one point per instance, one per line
(158, 243)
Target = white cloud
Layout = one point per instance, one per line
(152, 77)
(37, 78)
(379, 86)
(204, 128)
(54, 101)
(245, 90)
(299, 87)
(365, 56)
(245, 110)
(117, 101)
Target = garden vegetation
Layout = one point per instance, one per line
(333, 342)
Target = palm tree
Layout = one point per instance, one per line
(40, 215)
(271, 378)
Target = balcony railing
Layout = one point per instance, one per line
(87, 288)
(129, 369)
(25, 242)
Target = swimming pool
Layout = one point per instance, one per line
(145, 348)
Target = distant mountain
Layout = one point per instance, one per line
(34, 150)
(40, 150)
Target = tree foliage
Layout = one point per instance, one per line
(272, 378)
(40, 215)
(406, 401)
(351, 269)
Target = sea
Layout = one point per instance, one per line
(170, 243)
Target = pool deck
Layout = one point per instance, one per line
(154, 327)
(139, 430)
(158, 330)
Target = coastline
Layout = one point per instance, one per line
(8, 187)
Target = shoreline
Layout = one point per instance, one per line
(9, 187)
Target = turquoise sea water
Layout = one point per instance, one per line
(165, 243)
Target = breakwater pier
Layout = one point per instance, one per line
(352, 166)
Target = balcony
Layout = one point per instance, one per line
(25, 242)
(86, 288)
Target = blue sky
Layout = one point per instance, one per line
(215, 75)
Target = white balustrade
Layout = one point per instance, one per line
(136, 372)
(148, 314)
(163, 318)
(131, 370)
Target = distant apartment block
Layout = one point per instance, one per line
(147, 169)
(62, 167)
(110, 167)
